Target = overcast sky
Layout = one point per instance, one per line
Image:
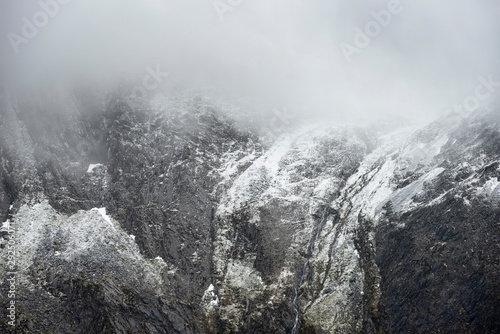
(276, 52)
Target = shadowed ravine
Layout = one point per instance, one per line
(310, 250)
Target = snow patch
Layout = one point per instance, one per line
(210, 295)
(403, 198)
(92, 167)
(6, 225)
(102, 212)
(490, 189)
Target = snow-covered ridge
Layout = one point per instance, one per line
(397, 171)
(82, 233)
(282, 171)
(279, 172)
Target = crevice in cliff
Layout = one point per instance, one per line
(310, 249)
(364, 242)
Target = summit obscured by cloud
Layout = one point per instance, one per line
(429, 57)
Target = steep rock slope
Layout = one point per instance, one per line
(440, 259)
(155, 168)
(362, 248)
(273, 224)
(163, 216)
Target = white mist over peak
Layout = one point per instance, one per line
(424, 61)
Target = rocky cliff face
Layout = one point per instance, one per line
(166, 217)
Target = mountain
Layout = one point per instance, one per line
(168, 216)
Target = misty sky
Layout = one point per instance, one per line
(276, 52)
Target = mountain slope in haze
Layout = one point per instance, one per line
(167, 217)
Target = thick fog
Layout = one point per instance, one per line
(337, 59)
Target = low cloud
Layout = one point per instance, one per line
(275, 53)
